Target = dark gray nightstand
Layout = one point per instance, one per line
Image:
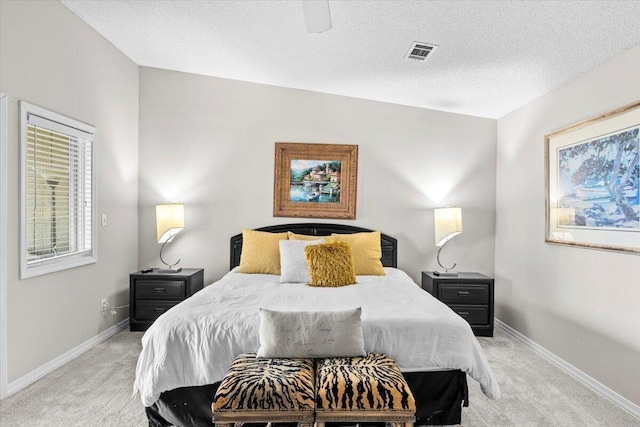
(153, 293)
(468, 294)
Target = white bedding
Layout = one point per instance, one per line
(195, 342)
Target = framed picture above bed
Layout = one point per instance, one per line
(592, 177)
(315, 180)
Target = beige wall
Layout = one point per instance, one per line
(582, 305)
(209, 143)
(50, 58)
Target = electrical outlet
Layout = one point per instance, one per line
(103, 304)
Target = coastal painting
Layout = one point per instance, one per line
(315, 180)
(593, 182)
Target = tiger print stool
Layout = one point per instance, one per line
(265, 390)
(367, 389)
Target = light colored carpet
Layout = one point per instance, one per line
(95, 390)
(92, 390)
(535, 392)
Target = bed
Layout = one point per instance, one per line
(188, 349)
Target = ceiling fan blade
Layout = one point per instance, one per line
(316, 15)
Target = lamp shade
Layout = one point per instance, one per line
(448, 224)
(169, 220)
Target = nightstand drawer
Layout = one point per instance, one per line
(151, 310)
(473, 314)
(464, 294)
(159, 289)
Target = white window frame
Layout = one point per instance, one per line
(67, 261)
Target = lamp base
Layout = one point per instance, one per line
(170, 270)
(445, 273)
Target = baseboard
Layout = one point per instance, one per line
(593, 384)
(48, 367)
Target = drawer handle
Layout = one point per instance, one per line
(160, 290)
(463, 293)
(158, 309)
(463, 313)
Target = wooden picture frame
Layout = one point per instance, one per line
(592, 182)
(315, 180)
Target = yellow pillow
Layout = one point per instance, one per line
(330, 264)
(294, 236)
(366, 251)
(260, 252)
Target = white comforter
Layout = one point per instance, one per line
(195, 342)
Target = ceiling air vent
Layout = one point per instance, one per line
(420, 51)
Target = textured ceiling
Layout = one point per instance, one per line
(493, 56)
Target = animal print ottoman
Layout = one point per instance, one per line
(367, 389)
(266, 390)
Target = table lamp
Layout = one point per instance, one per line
(448, 224)
(169, 222)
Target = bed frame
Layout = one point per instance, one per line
(439, 395)
(388, 243)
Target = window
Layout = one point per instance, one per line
(58, 199)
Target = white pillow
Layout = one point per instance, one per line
(303, 334)
(293, 264)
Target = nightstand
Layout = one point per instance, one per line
(153, 293)
(468, 294)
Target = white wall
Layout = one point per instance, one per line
(581, 304)
(209, 143)
(49, 57)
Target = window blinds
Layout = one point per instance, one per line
(58, 190)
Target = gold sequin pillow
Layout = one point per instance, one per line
(295, 236)
(260, 252)
(330, 264)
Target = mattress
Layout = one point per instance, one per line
(194, 343)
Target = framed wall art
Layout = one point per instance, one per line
(315, 180)
(593, 182)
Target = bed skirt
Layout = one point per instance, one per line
(439, 396)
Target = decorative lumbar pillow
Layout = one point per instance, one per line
(366, 252)
(260, 252)
(294, 334)
(293, 264)
(330, 264)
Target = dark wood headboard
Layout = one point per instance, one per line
(388, 243)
